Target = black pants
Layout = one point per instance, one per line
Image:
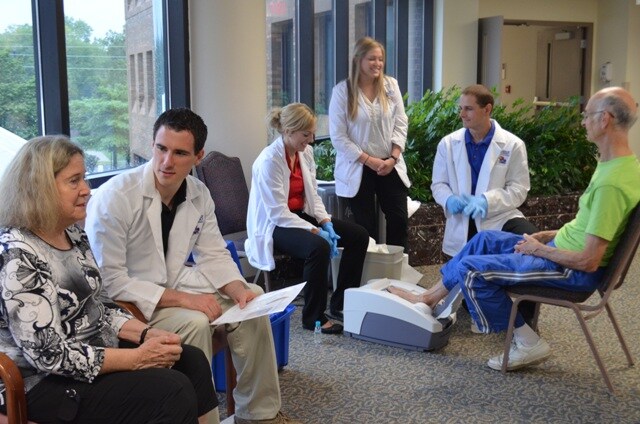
(514, 225)
(156, 395)
(303, 244)
(392, 196)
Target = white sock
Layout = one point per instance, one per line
(525, 335)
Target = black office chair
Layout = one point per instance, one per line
(224, 177)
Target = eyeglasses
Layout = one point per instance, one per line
(586, 114)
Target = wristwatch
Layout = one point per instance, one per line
(395, 159)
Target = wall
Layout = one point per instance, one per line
(542, 10)
(618, 42)
(229, 79)
(456, 28)
(456, 43)
(633, 66)
(519, 54)
(616, 37)
(228, 75)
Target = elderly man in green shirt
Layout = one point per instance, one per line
(572, 258)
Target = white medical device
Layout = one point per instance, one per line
(372, 313)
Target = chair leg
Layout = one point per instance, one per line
(616, 327)
(267, 281)
(536, 315)
(256, 278)
(230, 376)
(594, 349)
(509, 337)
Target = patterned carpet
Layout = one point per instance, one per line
(347, 381)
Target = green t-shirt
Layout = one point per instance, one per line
(604, 207)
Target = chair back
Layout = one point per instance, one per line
(224, 177)
(623, 254)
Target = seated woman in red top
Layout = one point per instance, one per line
(286, 214)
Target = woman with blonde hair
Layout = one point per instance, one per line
(83, 359)
(287, 215)
(368, 128)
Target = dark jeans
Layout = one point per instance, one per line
(303, 244)
(156, 395)
(392, 196)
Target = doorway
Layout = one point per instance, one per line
(537, 61)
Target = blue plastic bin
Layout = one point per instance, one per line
(231, 247)
(280, 325)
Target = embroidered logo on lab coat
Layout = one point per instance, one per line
(199, 225)
(503, 158)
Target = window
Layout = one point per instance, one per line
(113, 87)
(323, 64)
(111, 77)
(415, 51)
(337, 25)
(280, 52)
(362, 21)
(391, 42)
(19, 111)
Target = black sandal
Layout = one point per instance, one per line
(334, 329)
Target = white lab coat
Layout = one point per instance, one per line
(503, 180)
(350, 138)
(268, 201)
(125, 231)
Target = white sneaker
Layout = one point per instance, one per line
(474, 328)
(522, 356)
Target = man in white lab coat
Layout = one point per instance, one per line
(480, 174)
(144, 224)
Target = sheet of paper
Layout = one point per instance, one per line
(265, 304)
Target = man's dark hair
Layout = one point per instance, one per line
(183, 119)
(481, 93)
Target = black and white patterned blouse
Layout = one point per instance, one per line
(55, 317)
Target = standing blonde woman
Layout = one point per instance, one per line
(368, 128)
(286, 214)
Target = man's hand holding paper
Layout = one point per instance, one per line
(265, 304)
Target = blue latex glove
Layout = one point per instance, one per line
(455, 204)
(328, 227)
(325, 235)
(476, 206)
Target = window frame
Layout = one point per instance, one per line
(51, 66)
(304, 32)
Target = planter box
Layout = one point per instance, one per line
(426, 226)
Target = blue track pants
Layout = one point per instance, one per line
(487, 265)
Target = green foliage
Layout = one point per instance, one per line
(102, 122)
(431, 118)
(90, 162)
(17, 82)
(97, 83)
(325, 156)
(561, 159)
